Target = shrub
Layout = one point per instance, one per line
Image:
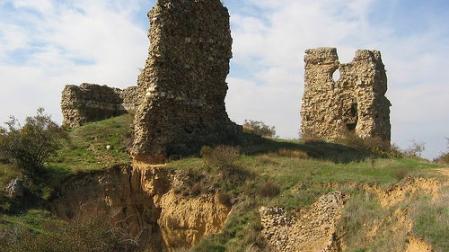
(298, 154)
(416, 150)
(309, 138)
(269, 190)
(444, 158)
(401, 173)
(374, 145)
(196, 189)
(224, 171)
(222, 157)
(95, 235)
(259, 128)
(30, 146)
(224, 199)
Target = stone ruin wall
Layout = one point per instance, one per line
(354, 103)
(91, 102)
(184, 81)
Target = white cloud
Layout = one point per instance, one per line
(276, 41)
(41, 6)
(79, 41)
(266, 81)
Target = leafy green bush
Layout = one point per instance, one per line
(30, 146)
(259, 128)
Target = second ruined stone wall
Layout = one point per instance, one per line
(354, 103)
(91, 102)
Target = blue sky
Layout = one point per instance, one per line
(45, 44)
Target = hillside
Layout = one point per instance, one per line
(278, 194)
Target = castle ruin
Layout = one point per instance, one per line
(90, 102)
(355, 103)
(179, 101)
(184, 81)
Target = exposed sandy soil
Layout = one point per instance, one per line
(312, 229)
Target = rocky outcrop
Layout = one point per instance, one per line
(143, 203)
(313, 229)
(354, 103)
(184, 81)
(91, 102)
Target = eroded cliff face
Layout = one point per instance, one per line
(142, 202)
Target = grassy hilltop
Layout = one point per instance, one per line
(262, 172)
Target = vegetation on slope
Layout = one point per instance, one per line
(95, 146)
(262, 172)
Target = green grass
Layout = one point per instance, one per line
(432, 220)
(83, 150)
(7, 173)
(302, 172)
(301, 181)
(362, 214)
(86, 149)
(33, 220)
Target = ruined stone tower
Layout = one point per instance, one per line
(184, 81)
(90, 102)
(354, 103)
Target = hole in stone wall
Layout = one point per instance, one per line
(336, 75)
(351, 127)
(353, 113)
(354, 109)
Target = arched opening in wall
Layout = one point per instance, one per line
(336, 75)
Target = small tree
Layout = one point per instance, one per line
(259, 128)
(444, 157)
(416, 150)
(30, 146)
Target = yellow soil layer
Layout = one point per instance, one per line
(418, 245)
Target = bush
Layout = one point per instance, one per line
(444, 158)
(224, 199)
(374, 145)
(222, 157)
(259, 128)
(224, 171)
(415, 151)
(298, 154)
(30, 146)
(269, 190)
(94, 235)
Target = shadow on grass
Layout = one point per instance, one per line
(337, 153)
